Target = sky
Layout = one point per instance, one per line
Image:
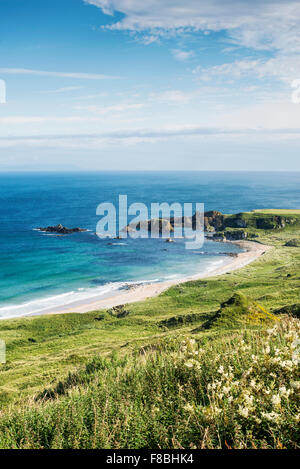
(149, 85)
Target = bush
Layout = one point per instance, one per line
(239, 391)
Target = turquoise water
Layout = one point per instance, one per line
(41, 271)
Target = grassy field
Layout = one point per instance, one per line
(105, 370)
(276, 211)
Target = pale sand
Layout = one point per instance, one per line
(142, 292)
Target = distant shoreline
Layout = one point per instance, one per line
(142, 292)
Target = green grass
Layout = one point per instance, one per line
(277, 211)
(62, 342)
(238, 391)
(52, 352)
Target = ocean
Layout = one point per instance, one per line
(40, 271)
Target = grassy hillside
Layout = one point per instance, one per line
(237, 391)
(67, 356)
(278, 211)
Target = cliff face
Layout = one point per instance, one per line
(214, 220)
(230, 227)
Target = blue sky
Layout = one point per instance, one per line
(151, 85)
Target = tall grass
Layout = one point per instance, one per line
(239, 391)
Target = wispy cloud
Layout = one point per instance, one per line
(283, 67)
(172, 97)
(182, 55)
(66, 89)
(103, 110)
(144, 135)
(84, 76)
(15, 120)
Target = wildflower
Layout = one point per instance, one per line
(192, 363)
(284, 392)
(188, 408)
(155, 410)
(226, 389)
(271, 416)
(295, 384)
(288, 364)
(295, 344)
(248, 399)
(253, 383)
(221, 369)
(189, 364)
(276, 400)
(297, 418)
(243, 411)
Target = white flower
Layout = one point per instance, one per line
(188, 408)
(243, 411)
(226, 389)
(271, 416)
(253, 383)
(284, 392)
(276, 400)
(189, 364)
(295, 384)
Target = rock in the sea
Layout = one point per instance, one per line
(158, 225)
(61, 229)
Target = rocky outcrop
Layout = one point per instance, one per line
(60, 229)
(234, 235)
(257, 221)
(214, 220)
(158, 225)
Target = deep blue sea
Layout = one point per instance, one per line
(39, 271)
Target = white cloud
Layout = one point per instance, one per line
(182, 55)
(258, 24)
(103, 110)
(15, 120)
(84, 76)
(149, 39)
(172, 97)
(135, 136)
(282, 67)
(66, 89)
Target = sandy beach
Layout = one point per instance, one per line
(141, 292)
